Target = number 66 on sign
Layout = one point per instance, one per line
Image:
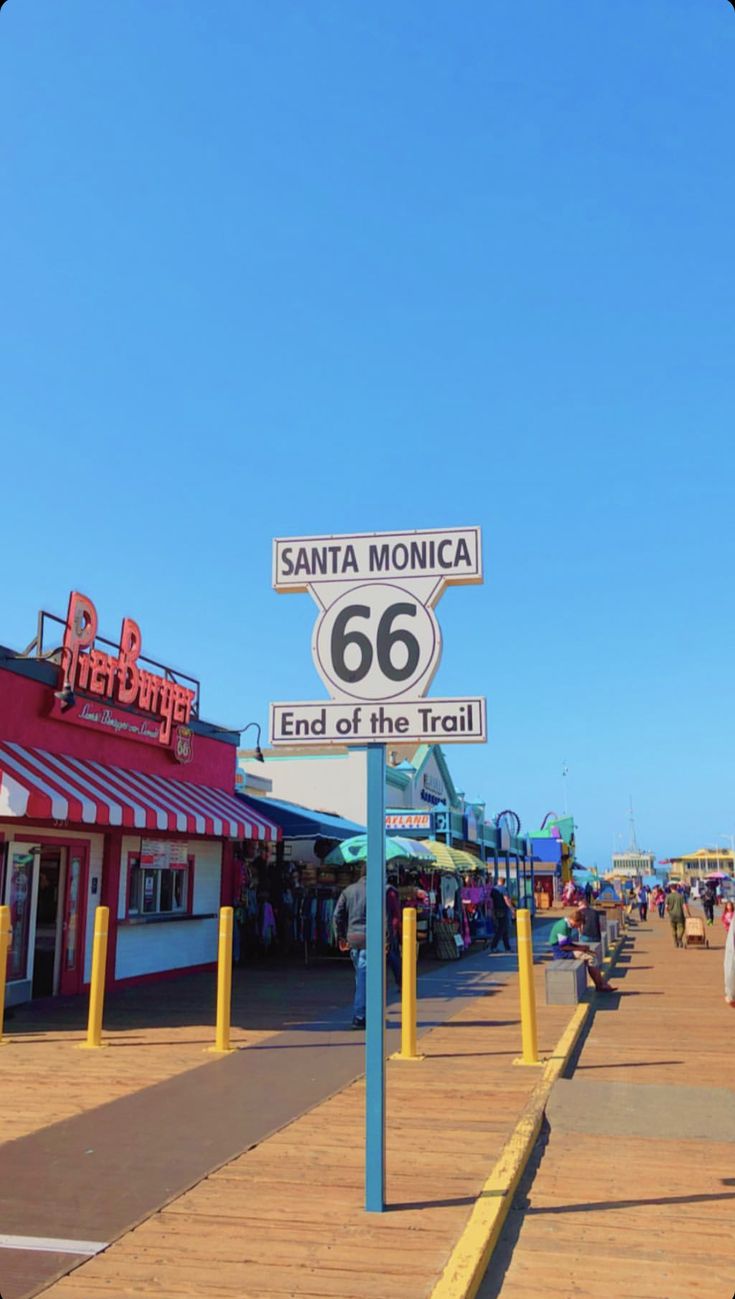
(377, 640)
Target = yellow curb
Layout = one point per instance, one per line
(468, 1262)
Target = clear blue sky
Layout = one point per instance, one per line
(315, 265)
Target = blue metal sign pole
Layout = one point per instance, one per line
(375, 1034)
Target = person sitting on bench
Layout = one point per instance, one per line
(564, 947)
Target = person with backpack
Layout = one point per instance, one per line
(708, 902)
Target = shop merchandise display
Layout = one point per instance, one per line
(283, 908)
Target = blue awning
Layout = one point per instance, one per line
(298, 822)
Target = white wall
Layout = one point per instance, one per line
(397, 795)
(326, 783)
(438, 787)
(337, 783)
(172, 944)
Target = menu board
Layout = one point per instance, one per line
(164, 854)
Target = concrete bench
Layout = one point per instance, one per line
(613, 932)
(565, 982)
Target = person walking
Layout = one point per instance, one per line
(708, 902)
(661, 903)
(502, 914)
(727, 915)
(350, 926)
(568, 894)
(730, 967)
(394, 915)
(643, 901)
(677, 911)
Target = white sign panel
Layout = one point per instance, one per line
(438, 721)
(376, 636)
(376, 642)
(448, 554)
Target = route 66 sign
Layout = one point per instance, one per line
(377, 639)
(376, 642)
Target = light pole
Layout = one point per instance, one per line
(240, 730)
(258, 751)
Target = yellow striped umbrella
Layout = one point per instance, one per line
(453, 859)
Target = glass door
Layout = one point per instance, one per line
(20, 896)
(75, 895)
(46, 939)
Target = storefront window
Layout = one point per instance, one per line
(154, 890)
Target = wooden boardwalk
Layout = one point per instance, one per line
(286, 1218)
(44, 1079)
(634, 1193)
(154, 1032)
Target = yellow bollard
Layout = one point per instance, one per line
(97, 982)
(528, 994)
(224, 983)
(6, 939)
(408, 991)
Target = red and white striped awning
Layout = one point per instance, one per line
(51, 786)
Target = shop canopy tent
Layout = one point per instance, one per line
(396, 849)
(453, 859)
(298, 822)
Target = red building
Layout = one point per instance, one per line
(112, 791)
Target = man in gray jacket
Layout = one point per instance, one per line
(350, 928)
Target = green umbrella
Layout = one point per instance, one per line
(355, 849)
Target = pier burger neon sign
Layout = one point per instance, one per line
(120, 679)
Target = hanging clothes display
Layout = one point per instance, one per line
(267, 926)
